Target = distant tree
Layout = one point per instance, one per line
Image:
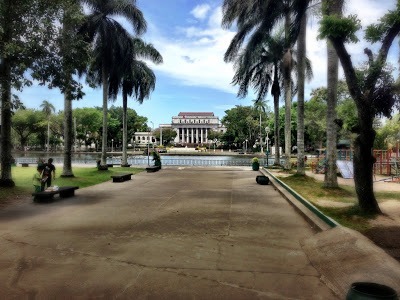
(388, 136)
(27, 122)
(48, 109)
(88, 124)
(315, 119)
(168, 135)
(242, 124)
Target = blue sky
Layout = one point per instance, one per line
(194, 76)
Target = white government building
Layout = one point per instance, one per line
(192, 128)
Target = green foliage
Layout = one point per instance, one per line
(388, 135)
(254, 160)
(242, 123)
(376, 32)
(340, 28)
(26, 122)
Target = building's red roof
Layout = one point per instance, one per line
(195, 114)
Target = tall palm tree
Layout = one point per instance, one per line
(74, 58)
(330, 179)
(255, 20)
(109, 37)
(260, 106)
(135, 78)
(48, 109)
(301, 53)
(261, 68)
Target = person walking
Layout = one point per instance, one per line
(49, 173)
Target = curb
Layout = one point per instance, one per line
(312, 215)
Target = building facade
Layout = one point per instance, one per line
(144, 138)
(193, 128)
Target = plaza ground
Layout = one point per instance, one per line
(205, 233)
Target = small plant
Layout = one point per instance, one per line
(255, 164)
(156, 158)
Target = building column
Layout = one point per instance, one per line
(187, 135)
(197, 135)
(191, 136)
(201, 135)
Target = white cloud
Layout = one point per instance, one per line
(196, 59)
(200, 11)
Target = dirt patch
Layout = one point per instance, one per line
(15, 201)
(388, 238)
(328, 203)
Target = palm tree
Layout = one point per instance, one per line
(257, 19)
(135, 78)
(330, 180)
(262, 68)
(301, 54)
(48, 109)
(109, 38)
(260, 106)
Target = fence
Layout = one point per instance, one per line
(144, 160)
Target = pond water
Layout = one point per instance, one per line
(140, 160)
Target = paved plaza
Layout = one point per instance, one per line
(180, 233)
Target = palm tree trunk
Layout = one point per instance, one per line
(105, 115)
(287, 61)
(5, 144)
(330, 180)
(124, 161)
(48, 135)
(68, 138)
(301, 48)
(275, 91)
(288, 113)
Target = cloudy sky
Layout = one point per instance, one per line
(194, 76)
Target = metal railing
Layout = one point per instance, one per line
(143, 160)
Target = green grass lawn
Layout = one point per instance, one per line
(83, 177)
(313, 190)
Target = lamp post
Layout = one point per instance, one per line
(215, 142)
(151, 135)
(245, 151)
(112, 145)
(161, 143)
(267, 130)
(261, 144)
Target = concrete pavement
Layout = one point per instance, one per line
(200, 233)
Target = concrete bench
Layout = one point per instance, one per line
(25, 164)
(112, 165)
(122, 177)
(153, 169)
(63, 191)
